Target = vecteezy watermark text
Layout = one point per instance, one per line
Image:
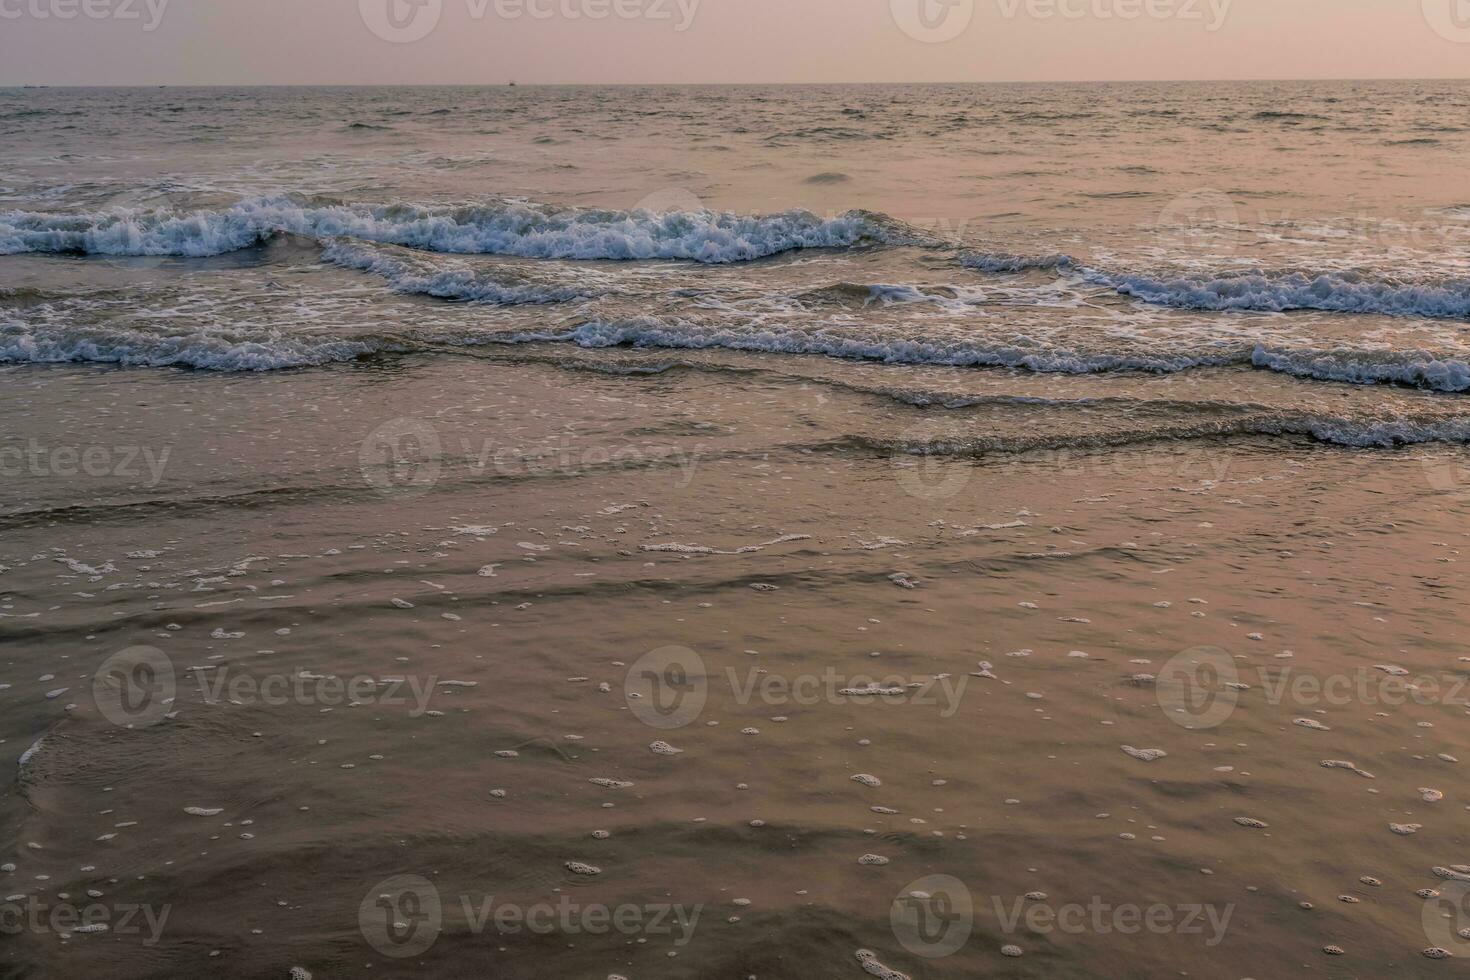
(33, 914)
(406, 21)
(306, 688)
(139, 687)
(404, 915)
(407, 457)
(937, 21)
(34, 459)
(934, 916)
(1101, 917)
(1211, 13)
(149, 11)
(668, 688)
(1200, 688)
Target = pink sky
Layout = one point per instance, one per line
(489, 41)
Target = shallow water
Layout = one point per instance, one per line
(416, 560)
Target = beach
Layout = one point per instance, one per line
(761, 532)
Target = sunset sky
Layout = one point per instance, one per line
(683, 41)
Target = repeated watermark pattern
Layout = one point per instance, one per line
(406, 457)
(148, 14)
(1450, 19)
(37, 916)
(1448, 473)
(1446, 917)
(934, 917)
(1210, 14)
(404, 916)
(1200, 688)
(669, 687)
(938, 21)
(139, 688)
(407, 21)
(132, 462)
(933, 21)
(1208, 217)
(136, 687)
(934, 464)
(1203, 213)
(1037, 915)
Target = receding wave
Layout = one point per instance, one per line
(498, 228)
(25, 343)
(1338, 431)
(1422, 369)
(55, 339)
(503, 285)
(1007, 262)
(649, 331)
(886, 294)
(1337, 292)
(1256, 290)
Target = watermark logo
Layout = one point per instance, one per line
(1448, 472)
(135, 688)
(402, 457)
(138, 688)
(401, 21)
(667, 688)
(924, 470)
(406, 457)
(1198, 688)
(933, 917)
(932, 21)
(1205, 216)
(667, 200)
(402, 916)
(1450, 19)
(1446, 918)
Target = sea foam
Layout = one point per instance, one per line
(497, 228)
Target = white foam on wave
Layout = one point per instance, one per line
(20, 343)
(1258, 291)
(503, 286)
(1335, 292)
(1419, 368)
(1007, 262)
(648, 331)
(1358, 366)
(500, 228)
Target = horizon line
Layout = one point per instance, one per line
(512, 83)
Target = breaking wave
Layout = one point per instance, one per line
(500, 228)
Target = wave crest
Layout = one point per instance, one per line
(1333, 292)
(516, 228)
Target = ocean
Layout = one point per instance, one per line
(749, 511)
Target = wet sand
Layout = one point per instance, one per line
(395, 654)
